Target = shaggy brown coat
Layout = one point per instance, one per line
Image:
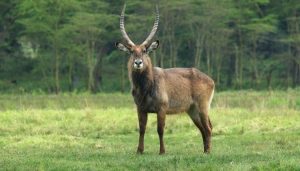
(170, 91)
(166, 91)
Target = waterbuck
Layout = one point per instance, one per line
(166, 91)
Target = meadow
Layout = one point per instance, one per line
(252, 130)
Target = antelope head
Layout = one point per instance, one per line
(139, 59)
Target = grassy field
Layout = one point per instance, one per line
(252, 131)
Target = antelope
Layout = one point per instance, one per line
(165, 91)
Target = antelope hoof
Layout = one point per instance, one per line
(139, 151)
(207, 151)
(162, 152)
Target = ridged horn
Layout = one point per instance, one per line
(122, 28)
(154, 28)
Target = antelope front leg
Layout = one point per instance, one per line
(161, 117)
(142, 116)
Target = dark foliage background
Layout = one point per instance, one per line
(68, 45)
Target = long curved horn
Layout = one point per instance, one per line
(154, 29)
(122, 28)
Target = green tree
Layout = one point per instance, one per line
(44, 23)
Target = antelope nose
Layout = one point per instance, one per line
(138, 62)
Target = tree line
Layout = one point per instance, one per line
(68, 45)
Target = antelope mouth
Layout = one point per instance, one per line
(138, 67)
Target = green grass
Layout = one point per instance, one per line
(252, 131)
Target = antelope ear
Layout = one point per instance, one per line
(154, 45)
(122, 47)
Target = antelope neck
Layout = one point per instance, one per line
(143, 80)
